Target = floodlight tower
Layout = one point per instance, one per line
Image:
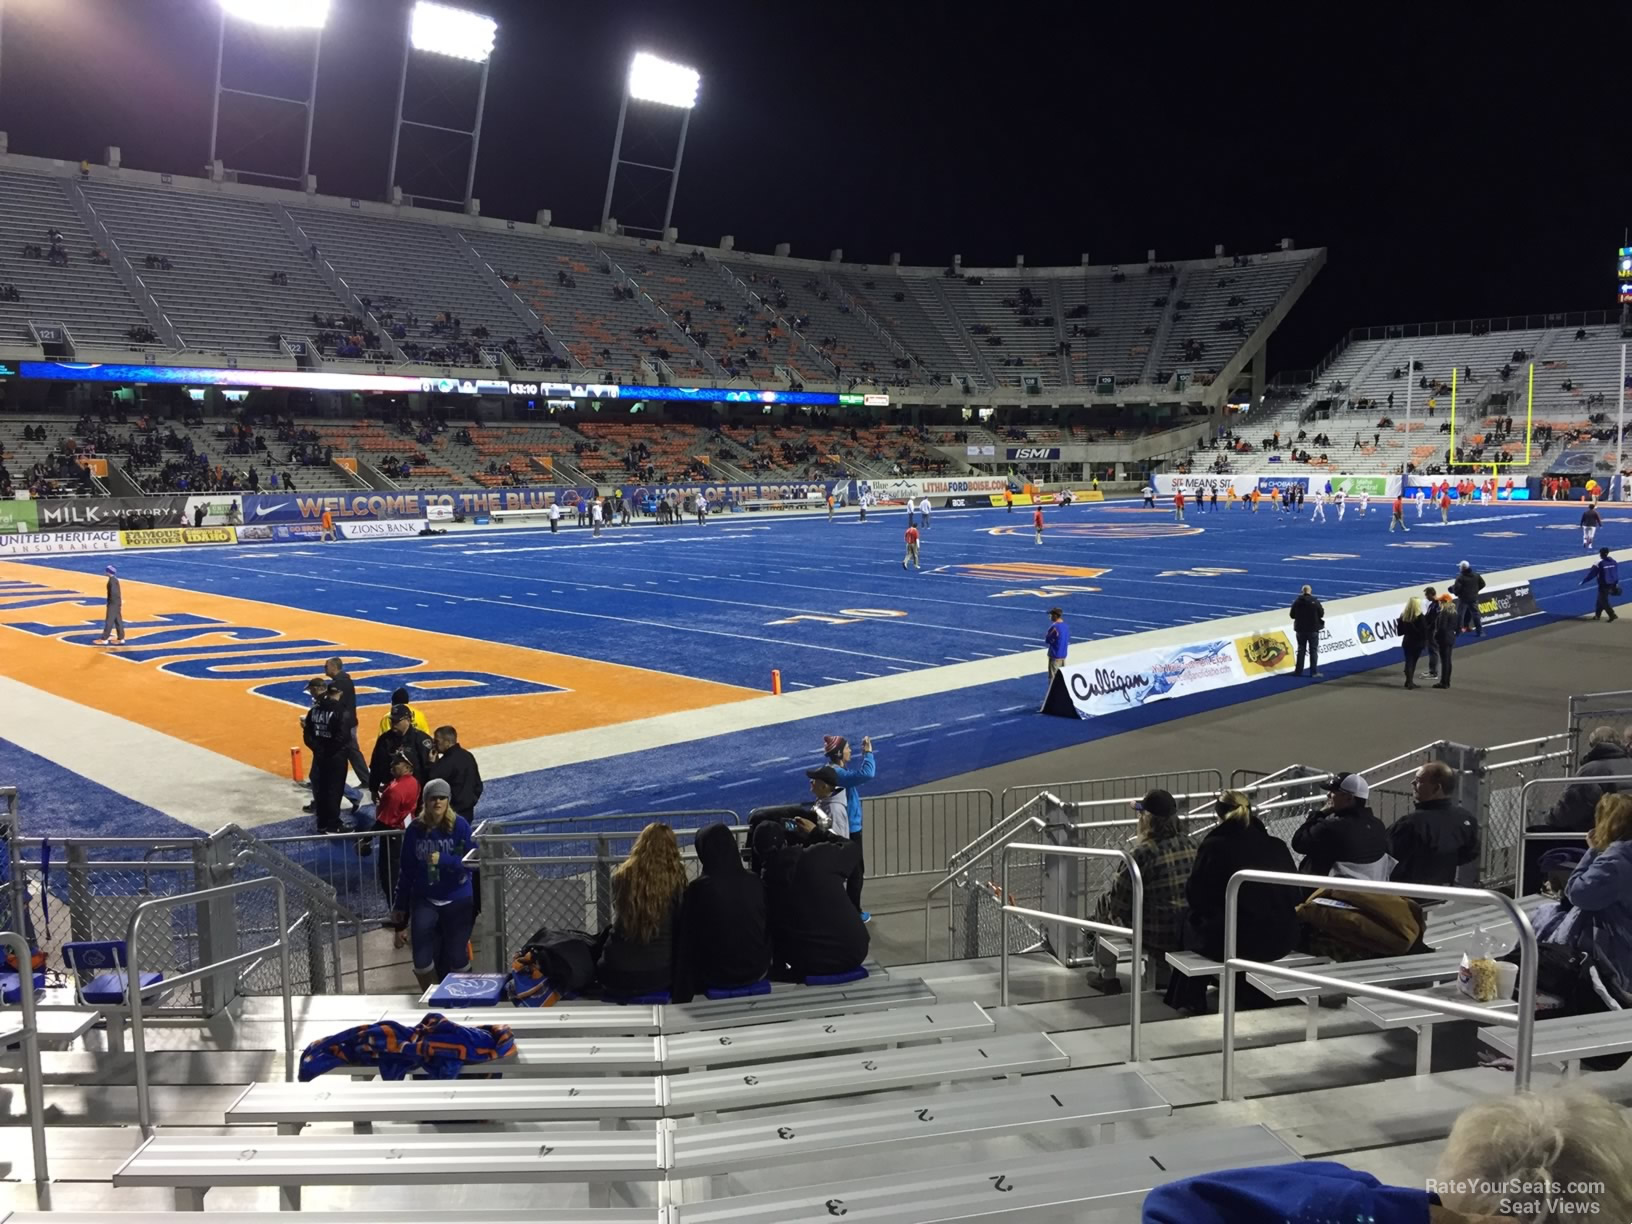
(660, 83)
(285, 15)
(438, 29)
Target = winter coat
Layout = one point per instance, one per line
(1601, 886)
(1577, 806)
(1308, 616)
(859, 771)
(1414, 634)
(1343, 843)
(433, 867)
(458, 769)
(723, 916)
(1467, 585)
(1444, 628)
(415, 744)
(1430, 843)
(327, 730)
(815, 927)
(629, 966)
(1267, 925)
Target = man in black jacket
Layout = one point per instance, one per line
(815, 928)
(1466, 587)
(1605, 757)
(1430, 843)
(328, 731)
(1308, 618)
(1442, 638)
(1344, 838)
(455, 766)
(341, 679)
(722, 918)
(404, 738)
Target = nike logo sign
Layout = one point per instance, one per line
(261, 511)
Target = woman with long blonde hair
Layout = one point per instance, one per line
(638, 952)
(1413, 637)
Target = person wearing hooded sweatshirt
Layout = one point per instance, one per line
(1344, 838)
(722, 917)
(327, 731)
(815, 927)
(1267, 923)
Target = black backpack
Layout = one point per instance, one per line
(566, 958)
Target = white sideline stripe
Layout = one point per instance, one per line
(142, 764)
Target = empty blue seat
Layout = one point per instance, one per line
(470, 990)
(11, 986)
(763, 986)
(103, 961)
(837, 979)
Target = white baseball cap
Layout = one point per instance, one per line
(1351, 784)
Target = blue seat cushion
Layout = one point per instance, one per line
(837, 979)
(11, 986)
(640, 1000)
(470, 990)
(761, 987)
(110, 987)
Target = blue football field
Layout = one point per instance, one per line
(828, 604)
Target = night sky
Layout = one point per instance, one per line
(1454, 163)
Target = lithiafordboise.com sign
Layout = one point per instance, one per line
(1125, 682)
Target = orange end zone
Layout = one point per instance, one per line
(193, 663)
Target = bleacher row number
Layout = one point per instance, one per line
(725, 1041)
(1000, 1183)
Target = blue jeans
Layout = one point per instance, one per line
(440, 936)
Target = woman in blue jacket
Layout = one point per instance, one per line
(435, 898)
(837, 750)
(1601, 888)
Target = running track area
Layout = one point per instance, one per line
(631, 672)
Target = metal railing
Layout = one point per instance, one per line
(1526, 834)
(1128, 786)
(1135, 931)
(1524, 1019)
(1027, 819)
(33, 1085)
(1595, 707)
(134, 990)
(915, 834)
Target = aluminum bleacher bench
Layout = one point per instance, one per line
(751, 1043)
(1455, 927)
(291, 1106)
(1392, 971)
(1194, 964)
(192, 1165)
(745, 1087)
(601, 1019)
(537, 1215)
(1066, 1184)
(1568, 1039)
(1388, 1014)
(1069, 1098)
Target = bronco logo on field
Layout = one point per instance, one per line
(1263, 653)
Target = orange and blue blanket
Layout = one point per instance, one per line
(435, 1048)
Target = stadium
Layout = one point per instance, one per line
(880, 735)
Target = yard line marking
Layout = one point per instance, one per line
(1012, 709)
(803, 684)
(885, 736)
(729, 785)
(872, 675)
(969, 717)
(648, 786)
(894, 668)
(420, 605)
(771, 761)
(912, 743)
(388, 607)
(562, 807)
(965, 731)
(682, 795)
(928, 726)
(833, 679)
(704, 777)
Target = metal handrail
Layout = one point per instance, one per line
(1551, 835)
(1537, 741)
(503, 822)
(1050, 787)
(1402, 756)
(33, 1087)
(134, 990)
(1136, 931)
(1532, 760)
(1030, 822)
(1524, 1020)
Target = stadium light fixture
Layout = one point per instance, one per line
(662, 83)
(449, 31)
(657, 80)
(286, 14)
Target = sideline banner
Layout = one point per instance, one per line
(1314, 481)
(933, 486)
(161, 537)
(19, 515)
(1125, 682)
(401, 503)
(392, 530)
(40, 543)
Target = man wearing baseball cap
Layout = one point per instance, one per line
(1343, 838)
(405, 738)
(114, 620)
